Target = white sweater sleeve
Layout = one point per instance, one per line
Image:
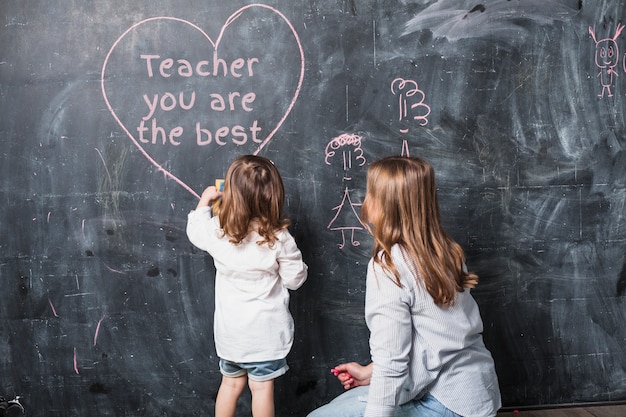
(198, 226)
(291, 268)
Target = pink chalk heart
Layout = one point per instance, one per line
(182, 97)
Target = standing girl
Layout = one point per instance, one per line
(257, 262)
(428, 355)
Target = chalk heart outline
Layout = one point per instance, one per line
(215, 45)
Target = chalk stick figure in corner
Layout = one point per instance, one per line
(607, 56)
(346, 217)
(411, 107)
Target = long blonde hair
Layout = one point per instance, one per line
(401, 207)
(253, 193)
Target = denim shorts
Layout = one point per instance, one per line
(256, 371)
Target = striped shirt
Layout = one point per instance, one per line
(418, 347)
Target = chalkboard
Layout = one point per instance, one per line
(116, 114)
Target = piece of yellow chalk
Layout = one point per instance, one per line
(219, 185)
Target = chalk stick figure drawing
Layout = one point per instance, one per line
(346, 219)
(607, 56)
(411, 106)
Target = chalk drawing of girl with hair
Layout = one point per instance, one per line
(346, 218)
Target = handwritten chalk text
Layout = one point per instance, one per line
(168, 101)
(167, 67)
(239, 135)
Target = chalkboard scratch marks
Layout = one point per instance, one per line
(374, 40)
(454, 21)
(621, 282)
(352, 6)
(520, 85)
(580, 214)
(105, 165)
(347, 105)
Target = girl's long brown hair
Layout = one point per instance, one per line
(253, 193)
(401, 207)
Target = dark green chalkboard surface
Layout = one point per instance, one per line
(115, 115)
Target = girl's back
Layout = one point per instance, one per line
(256, 259)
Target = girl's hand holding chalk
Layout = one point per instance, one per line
(209, 195)
(219, 186)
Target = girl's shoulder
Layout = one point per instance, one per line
(284, 237)
(407, 267)
(282, 232)
(401, 257)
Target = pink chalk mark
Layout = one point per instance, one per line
(76, 362)
(405, 148)
(411, 105)
(349, 140)
(215, 45)
(52, 307)
(95, 336)
(349, 220)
